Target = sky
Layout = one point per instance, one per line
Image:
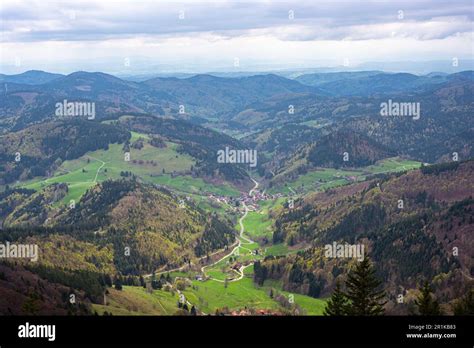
(138, 36)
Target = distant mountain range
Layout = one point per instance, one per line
(204, 96)
(263, 103)
(30, 77)
(144, 68)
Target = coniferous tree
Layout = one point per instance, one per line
(362, 290)
(118, 283)
(337, 304)
(425, 302)
(193, 310)
(108, 280)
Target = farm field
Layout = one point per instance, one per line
(280, 250)
(239, 291)
(258, 224)
(326, 178)
(188, 184)
(211, 295)
(150, 163)
(220, 270)
(395, 164)
(134, 300)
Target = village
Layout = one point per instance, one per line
(246, 202)
(251, 201)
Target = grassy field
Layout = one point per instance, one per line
(277, 250)
(150, 163)
(392, 165)
(206, 296)
(210, 295)
(133, 300)
(258, 224)
(167, 159)
(323, 178)
(316, 123)
(189, 184)
(221, 270)
(326, 178)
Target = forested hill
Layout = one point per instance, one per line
(410, 224)
(159, 227)
(199, 142)
(39, 149)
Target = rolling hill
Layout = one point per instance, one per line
(30, 77)
(158, 227)
(408, 241)
(39, 150)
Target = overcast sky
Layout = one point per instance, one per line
(131, 34)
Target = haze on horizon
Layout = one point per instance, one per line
(139, 37)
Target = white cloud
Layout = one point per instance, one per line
(53, 32)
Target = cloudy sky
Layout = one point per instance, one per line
(134, 35)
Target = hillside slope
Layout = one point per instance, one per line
(411, 224)
(146, 226)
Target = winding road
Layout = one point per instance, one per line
(180, 268)
(98, 170)
(242, 240)
(239, 245)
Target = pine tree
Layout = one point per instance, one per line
(108, 280)
(118, 283)
(362, 293)
(337, 304)
(425, 302)
(193, 310)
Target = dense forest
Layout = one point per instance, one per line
(409, 224)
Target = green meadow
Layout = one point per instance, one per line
(211, 295)
(325, 178)
(277, 249)
(395, 164)
(186, 183)
(258, 225)
(134, 300)
(150, 163)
